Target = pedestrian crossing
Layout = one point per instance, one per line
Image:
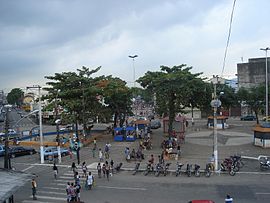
(55, 191)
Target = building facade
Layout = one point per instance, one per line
(252, 73)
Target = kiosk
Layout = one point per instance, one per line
(118, 134)
(262, 135)
(130, 134)
(179, 127)
(221, 122)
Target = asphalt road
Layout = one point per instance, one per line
(124, 187)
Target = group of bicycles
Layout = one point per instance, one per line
(231, 164)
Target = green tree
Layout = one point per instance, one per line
(171, 86)
(117, 97)
(15, 96)
(253, 98)
(77, 92)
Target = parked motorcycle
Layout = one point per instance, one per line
(118, 167)
(265, 164)
(237, 161)
(159, 169)
(136, 169)
(166, 170)
(208, 170)
(148, 169)
(230, 167)
(188, 170)
(178, 169)
(197, 170)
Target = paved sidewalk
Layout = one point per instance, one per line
(198, 147)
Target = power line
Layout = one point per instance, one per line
(228, 39)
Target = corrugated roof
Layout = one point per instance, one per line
(11, 181)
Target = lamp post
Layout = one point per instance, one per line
(215, 103)
(266, 82)
(133, 57)
(57, 122)
(40, 123)
(7, 164)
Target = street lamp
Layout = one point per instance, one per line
(266, 82)
(133, 57)
(7, 164)
(57, 122)
(40, 123)
(215, 103)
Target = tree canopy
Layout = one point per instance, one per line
(15, 96)
(175, 88)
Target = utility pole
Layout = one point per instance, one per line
(57, 122)
(215, 103)
(7, 164)
(266, 83)
(40, 123)
(134, 76)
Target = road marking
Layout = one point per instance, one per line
(34, 201)
(262, 193)
(70, 180)
(27, 168)
(51, 198)
(61, 184)
(254, 173)
(55, 193)
(53, 188)
(122, 188)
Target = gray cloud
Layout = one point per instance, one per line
(39, 38)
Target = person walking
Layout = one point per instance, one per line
(100, 155)
(228, 199)
(90, 180)
(34, 188)
(99, 170)
(95, 143)
(112, 166)
(77, 178)
(55, 171)
(84, 169)
(107, 170)
(72, 192)
(106, 150)
(94, 152)
(68, 191)
(78, 193)
(104, 170)
(74, 167)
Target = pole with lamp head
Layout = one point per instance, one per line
(40, 122)
(266, 83)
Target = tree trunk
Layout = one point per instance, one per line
(171, 112)
(115, 119)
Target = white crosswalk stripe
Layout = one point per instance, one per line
(55, 191)
(51, 198)
(34, 201)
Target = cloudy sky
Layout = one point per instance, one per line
(39, 38)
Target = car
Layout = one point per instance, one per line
(53, 152)
(21, 151)
(266, 118)
(2, 150)
(155, 124)
(201, 201)
(248, 118)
